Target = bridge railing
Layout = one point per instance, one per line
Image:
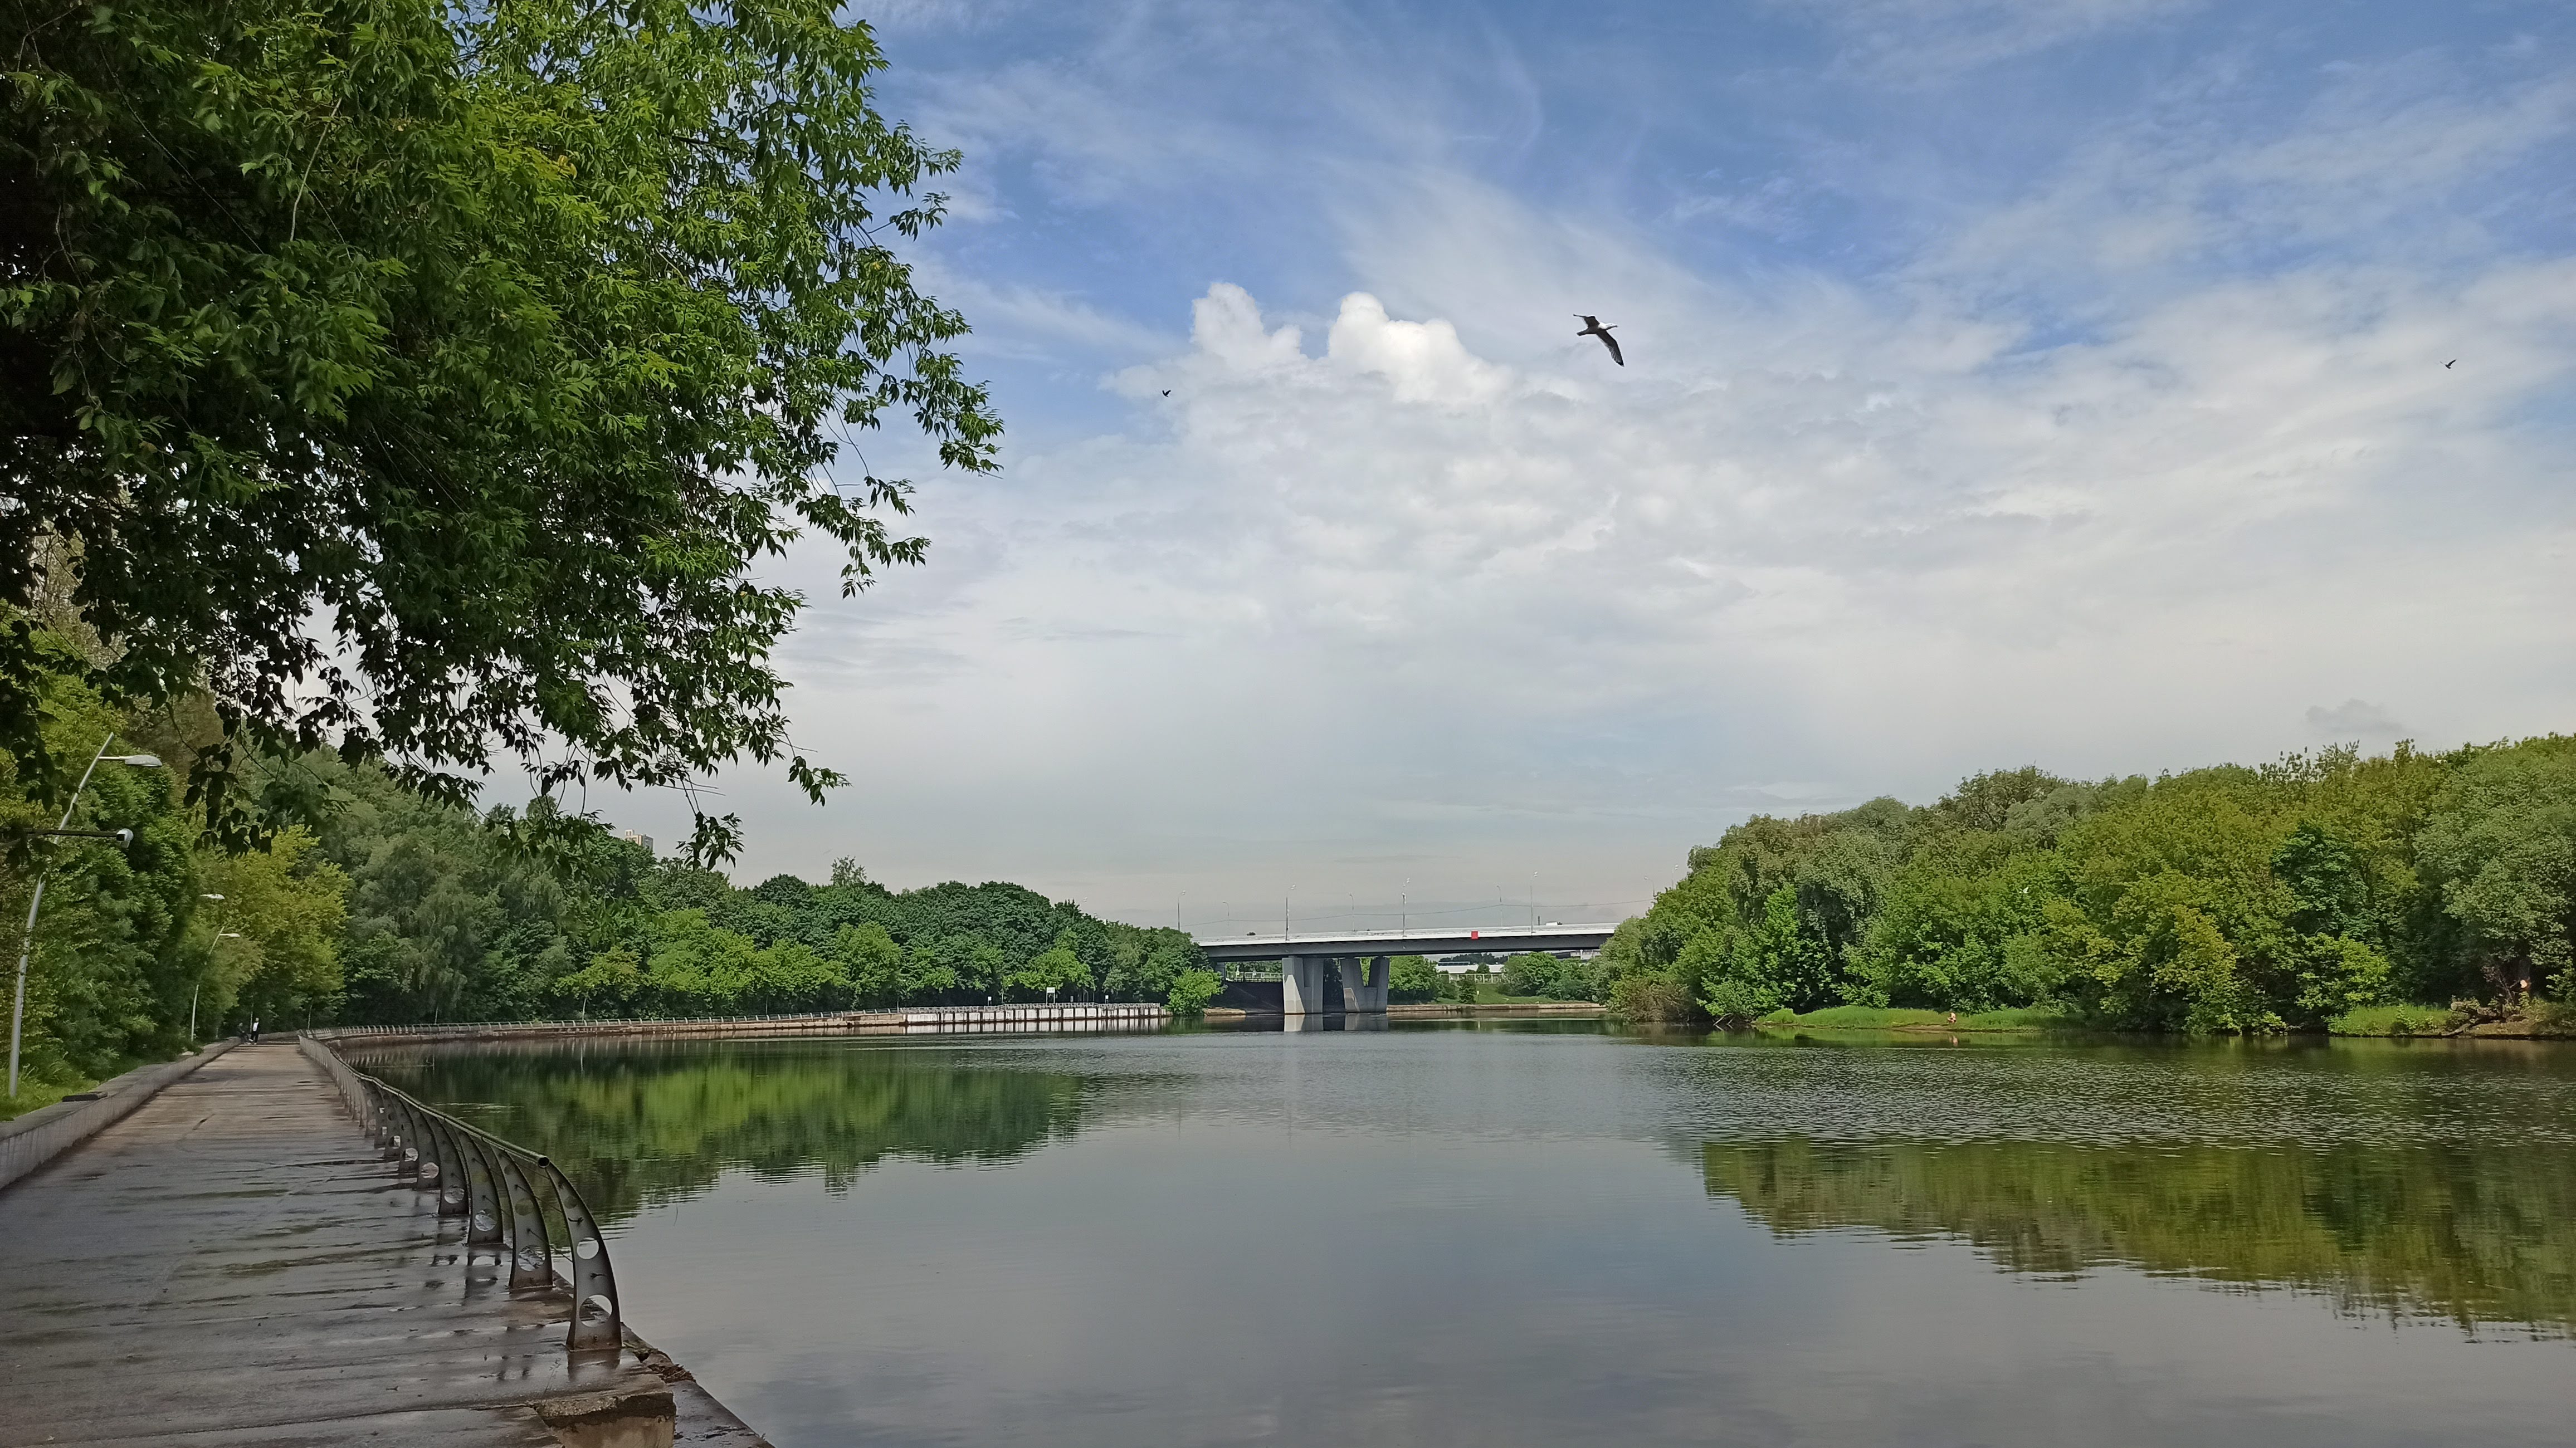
(495, 1186)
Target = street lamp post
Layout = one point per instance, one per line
(199, 984)
(27, 940)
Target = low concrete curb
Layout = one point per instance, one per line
(39, 1136)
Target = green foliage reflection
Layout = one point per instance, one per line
(640, 1125)
(2473, 1235)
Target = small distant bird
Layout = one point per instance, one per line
(1167, 392)
(2454, 362)
(1592, 328)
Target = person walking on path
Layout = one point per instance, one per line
(254, 1030)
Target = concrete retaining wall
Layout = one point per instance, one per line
(39, 1136)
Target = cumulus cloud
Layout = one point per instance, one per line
(2355, 719)
(1423, 360)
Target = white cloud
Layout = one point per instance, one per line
(2122, 467)
(1021, 321)
(2411, 164)
(1225, 325)
(1423, 360)
(1399, 592)
(2355, 719)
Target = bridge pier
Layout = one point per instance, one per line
(1301, 985)
(1305, 988)
(1364, 984)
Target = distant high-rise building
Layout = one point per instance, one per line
(633, 837)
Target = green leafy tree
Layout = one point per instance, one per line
(793, 976)
(929, 977)
(120, 940)
(281, 917)
(427, 380)
(1058, 968)
(458, 917)
(611, 984)
(2328, 880)
(873, 964)
(1191, 991)
(1411, 979)
(700, 968)
(2500, 848)
(1530, 973)
(1955, 928)
(1774, 964)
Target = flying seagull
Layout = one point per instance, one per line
(1592, 328)
(1167, 392)
(2454, 362)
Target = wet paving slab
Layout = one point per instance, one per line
(235, 1264)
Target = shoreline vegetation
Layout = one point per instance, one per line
(2543, 1021)
(2407, 894)
(399, 910)
(2400, 894)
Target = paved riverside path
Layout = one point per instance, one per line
(234, 1264)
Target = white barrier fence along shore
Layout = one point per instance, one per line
(924, 1021)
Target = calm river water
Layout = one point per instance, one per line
(1507, 1235)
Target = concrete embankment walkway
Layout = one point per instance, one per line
(234, 1264)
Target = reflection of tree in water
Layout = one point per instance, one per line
(2477, 1236)
(640, 1124)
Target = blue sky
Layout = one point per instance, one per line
(2008, 382)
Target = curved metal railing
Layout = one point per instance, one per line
(492, 1184)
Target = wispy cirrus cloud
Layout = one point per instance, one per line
(1939, 40)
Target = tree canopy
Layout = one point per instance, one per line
(2220, 899)
(424, 381)
(453, 918)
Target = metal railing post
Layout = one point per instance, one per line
(451, 1167)
(493, 1184)
(483, 1200)
(597, 1321)
(531, 1255)
(409, 1160)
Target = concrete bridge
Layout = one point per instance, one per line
(1361, 957)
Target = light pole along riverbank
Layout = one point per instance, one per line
(27, 939)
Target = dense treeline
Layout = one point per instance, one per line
(136, 943)
(1530, 975)
(2223, 899)
(398, 910)
(455, 918)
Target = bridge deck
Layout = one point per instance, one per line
(232, 1264)
(1419, 940)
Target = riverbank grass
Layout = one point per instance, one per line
(1882, 1018)
(2392, 1021)
(36, 1096)
(2531, 1020)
